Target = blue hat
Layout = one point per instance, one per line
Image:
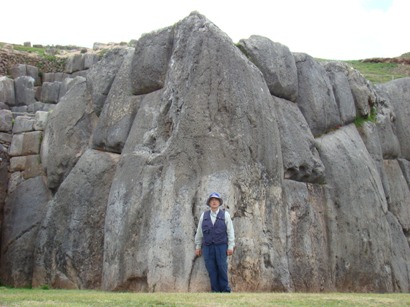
(215, 195)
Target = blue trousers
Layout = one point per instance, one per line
(216, 262)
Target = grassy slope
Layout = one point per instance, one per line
(381, 72)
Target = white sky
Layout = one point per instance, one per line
(330, 29)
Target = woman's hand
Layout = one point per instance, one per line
(198, 252)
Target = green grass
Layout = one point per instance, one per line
(39, 51)
(372, 117)
(380, 72)
(39, 297)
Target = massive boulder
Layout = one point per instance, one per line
(216, 116)
(24, 211)
(70, 243)
(315, 96)
(68, 133)
(119, 110)
(399, 94)
(277, 64)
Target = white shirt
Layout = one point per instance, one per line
(229, 229)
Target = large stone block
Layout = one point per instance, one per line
(212, 126)
(18, 70)
(315, 96)
(70, 247)
(68, 133)
(356, 210)
(50, 92)
(277, 64)
(25, 144)
(74, 63)
(101, 76)
(119, 111)
(25, 91)
(399, 202)
(5, 138)
(337, 72)
(21, 70)
(301, 159)
(24, 211)
(7, 94)
(30, 166)
(90, 59)
(40, 120)
(398, 94)
(6, 121)
(150, 63)
(23, 124)
(40, 106)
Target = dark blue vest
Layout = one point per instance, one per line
(216, 233)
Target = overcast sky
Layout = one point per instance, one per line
(329, 29)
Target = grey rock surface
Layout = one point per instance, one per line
(50, 92)
(23, 124)
(24, 90)
(318, 203)
(399, 203)
(67, 134)
(151, 61)
(315, 96)
(6, 121)
(101, 76)
(118, 112)
(25, 144)
(277, 64)
(23, 213)
(337, 73)
(307, 236)
(301, 161)
(7, 93)
(399, 96)
(69, 251)
(357, 245)
(232, 145)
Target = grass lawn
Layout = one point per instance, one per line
(39, 297)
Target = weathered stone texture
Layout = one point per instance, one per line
(25, 91)
(23, 213)
(399, 96)
(301, 160)
(337, 73)
(6, 120)
(315, 96)
(277, 64)
(137, 142)
(118, 112)
(233, 145)
(68, 133)
(69, 253)
(151, 60)
(7, 93)
(359, 255)
(26, 144)
(23, 124)
(50, 92)
(101, 76)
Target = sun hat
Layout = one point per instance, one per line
(215, 195)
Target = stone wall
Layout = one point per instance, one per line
(134, 145)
